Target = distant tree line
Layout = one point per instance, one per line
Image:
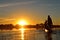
(6, 27)
(11, 26)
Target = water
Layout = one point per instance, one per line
(30, 34)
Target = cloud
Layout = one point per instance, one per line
(6, 19)
(18, 3)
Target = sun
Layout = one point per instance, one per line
(22, 22)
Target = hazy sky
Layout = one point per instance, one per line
(33, 11)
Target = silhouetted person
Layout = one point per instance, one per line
(49, 23)
(48, 26)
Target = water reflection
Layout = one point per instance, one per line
(22, 33)
(27, 34)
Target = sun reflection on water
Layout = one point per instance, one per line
(22, 33)
(22, 30)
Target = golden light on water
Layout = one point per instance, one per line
(22, 33)
(22, 29)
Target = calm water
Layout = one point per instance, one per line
(30, 34)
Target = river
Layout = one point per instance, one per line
(29, 34)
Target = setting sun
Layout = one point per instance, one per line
(22, 22)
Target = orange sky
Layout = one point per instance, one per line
(33, 11)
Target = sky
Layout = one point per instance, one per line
(33, 11)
